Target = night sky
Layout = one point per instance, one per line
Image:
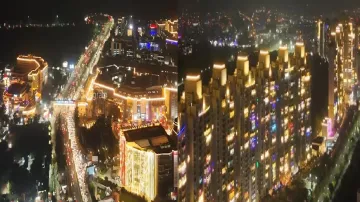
(68, 9)
(318, 6)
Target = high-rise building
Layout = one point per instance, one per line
(195, 137)
(320, 46)
(357, 52)
(147, 161)
(243, 134)
(342, 74)
(323, 32)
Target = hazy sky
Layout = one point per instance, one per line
(319, 5)
(18, 9)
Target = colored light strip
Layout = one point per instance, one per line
(127, 97)
(171, 41)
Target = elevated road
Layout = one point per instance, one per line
(72, 91)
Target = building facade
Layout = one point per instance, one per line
(147, 161)
(342, 71)
(24, 83)
(243, 135)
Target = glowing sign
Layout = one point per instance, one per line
(153, 32)
(65, 64)
(170, 41)
(64, 102)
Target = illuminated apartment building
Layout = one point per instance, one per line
(323, 38)
(342, 74)
(243, 134)
(321, 33)
(357, 52)
(222, 158)
(147, 161)
(195, 143)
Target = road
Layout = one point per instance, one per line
(341, 162)
(72, 91)
(85, 66)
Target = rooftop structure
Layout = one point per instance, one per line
(140, 96)
(147, 157)
(152, 138)
(25, 82)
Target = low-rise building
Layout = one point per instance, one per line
(24, 83)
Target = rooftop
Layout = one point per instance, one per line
(16, 88)
(128, 83)
(27, 63)
(144, 67)
(315, 147)
(152, 138)
(318, 140)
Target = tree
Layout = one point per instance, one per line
(331, 187)
(76, 116)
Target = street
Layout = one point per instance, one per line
(72, 91)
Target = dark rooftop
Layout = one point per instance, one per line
(26, 64)
(315, 147)
(16, 88)
(148, 67)
(153, 138)
(135, 82)
(318, 140)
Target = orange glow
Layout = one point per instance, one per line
(29, 112)
(127, 97)
(193, 78)
(219, 66)
(264, 52)
(242, 58)
(171, 89)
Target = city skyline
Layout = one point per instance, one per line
(187, 101)
(75, 10)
